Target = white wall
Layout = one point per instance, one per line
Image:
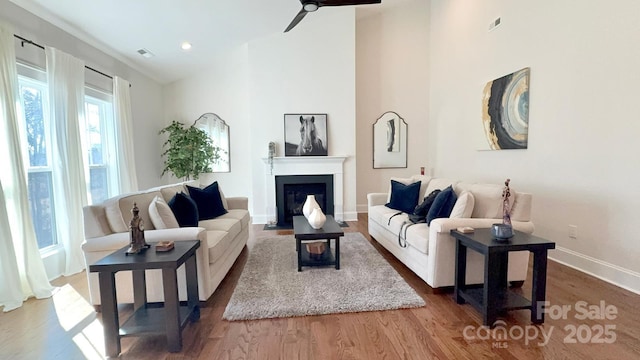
(581, 164)
(222, 88)
(392, 57)
(308, 70)
(311, 69)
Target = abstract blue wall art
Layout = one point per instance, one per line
(505, 111)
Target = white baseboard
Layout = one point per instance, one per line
(362, 208)
(616, 275)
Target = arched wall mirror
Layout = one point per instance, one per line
(389, 141)
(218, 131)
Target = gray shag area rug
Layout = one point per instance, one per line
(270, 285)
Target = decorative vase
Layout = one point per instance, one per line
(309, 205)
(502, 232)
(317, 218)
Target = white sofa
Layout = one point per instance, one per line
(430, 250)
(221, 241)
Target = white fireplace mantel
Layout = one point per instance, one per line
(305, 165)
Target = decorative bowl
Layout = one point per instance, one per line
(502, 232)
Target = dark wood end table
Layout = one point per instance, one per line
(146, 319)
(495, 295)
(303, 232)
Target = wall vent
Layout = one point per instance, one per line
(146, 53)
(494, 24)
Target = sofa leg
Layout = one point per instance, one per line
(516, 284)
(442, 290)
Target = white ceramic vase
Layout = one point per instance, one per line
(309, 205)
(317, 218)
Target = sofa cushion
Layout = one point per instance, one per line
(418, 237)
(168, 192)
(442, 205)
(161, 215)
(521, 208)
(184, 209)
(464, 206)
(238, 214)
(404, 197)
(114, 216)
(217, 244)
(381, 214)
(232, 226)
(119, 210)
(439, 184)
(488, 201)
(208, 201)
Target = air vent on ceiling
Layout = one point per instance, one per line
(146, 53)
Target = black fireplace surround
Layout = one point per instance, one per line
(292, 191)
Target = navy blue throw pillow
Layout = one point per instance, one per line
(208, 200)
(184, 209)
(442, 205)
(404, 197)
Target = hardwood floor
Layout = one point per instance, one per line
(66, 327)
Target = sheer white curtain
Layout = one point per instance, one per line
(65, 77)
(127, 177)
(22, 272)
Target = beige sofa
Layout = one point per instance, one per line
(430, 251)
(221, 241)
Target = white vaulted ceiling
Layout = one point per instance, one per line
(121, 27)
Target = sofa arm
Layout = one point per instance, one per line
(95, 221)
(374, 199)
(118, 240)
(238, 202)
(445, 225)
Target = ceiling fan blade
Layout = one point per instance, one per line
(296, 19)
(347, 2)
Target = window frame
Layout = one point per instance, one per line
(104, 101)
(34, 77)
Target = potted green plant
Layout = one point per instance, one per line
(189, 151)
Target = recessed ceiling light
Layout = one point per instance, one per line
(186, 45)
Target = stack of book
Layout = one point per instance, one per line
(164, 246)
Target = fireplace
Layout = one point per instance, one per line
(292, 191)
(301, 165)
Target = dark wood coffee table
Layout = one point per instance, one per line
(147, 319)
(303, 232)
(494, 296)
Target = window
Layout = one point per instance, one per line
(98, 132)
(99, 144)
(37, 129)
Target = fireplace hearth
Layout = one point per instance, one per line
(292, 191)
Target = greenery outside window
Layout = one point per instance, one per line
(37, 138)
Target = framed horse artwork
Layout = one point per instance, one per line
(305, 135)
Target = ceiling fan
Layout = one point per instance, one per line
(313, 5)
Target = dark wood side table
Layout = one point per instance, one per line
(495, 295)
(146, 319)
(303, 231)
